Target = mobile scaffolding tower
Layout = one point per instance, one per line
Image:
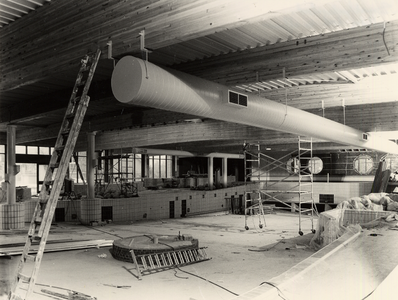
(258, 165)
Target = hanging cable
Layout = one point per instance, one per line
(284, 77)
(384, 40)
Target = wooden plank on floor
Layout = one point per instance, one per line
(73, 245)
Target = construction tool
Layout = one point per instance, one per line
(156, 262)
(54, 179)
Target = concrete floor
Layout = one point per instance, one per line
(241, 260)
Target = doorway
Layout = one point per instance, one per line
(171, 209)
(183, 208)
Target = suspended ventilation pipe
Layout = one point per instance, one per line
(139, 82)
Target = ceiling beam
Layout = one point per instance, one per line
(336, 51)
(165, 128)
(58, 35)
(376, 89)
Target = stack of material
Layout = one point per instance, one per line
(329, 228)
(373, 201)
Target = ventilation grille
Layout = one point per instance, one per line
(326, 198)
(237, 99)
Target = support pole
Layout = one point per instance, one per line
(11, 167)
(225, 172)
(91, 163)
(210, 171)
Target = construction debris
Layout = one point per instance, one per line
(72, 295)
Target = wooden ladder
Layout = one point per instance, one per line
(54, 179)
(156, 262)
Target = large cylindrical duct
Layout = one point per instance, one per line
(139, 82)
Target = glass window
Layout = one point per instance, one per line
(150, 167)
(130, 167)
(392, 162)
(82, 159)
(74, 167)
(363, 164)
(2, 165)
(315, 165)
(169, 167)
(44, 150)
(137, 167)
(163, 166)
(156, 167)
(27, 176)
(20, 149)
(293, 165)
(32, 150)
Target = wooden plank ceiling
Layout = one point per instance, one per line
(338, 59)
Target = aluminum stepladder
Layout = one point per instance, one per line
(54, 179)
(253, 170)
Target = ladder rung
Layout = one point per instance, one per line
(81, 83)
(48, 183)
(175, 258)
(85, 69)
(184, 253)
(24, 277)
(66, 131)
(15, 297)
(180, 257)
(70, 115)
(190, 255)
(30, 257)
(76, 100)
(143, 261)
(169, 259)
(35, 238)
(195, 254)
(163, 259)
(157, 260)
(60, 149)
(151, 263)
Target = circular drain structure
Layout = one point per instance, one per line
(149, 244)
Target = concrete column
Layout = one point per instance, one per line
(90, 165)
(236, 173)
(210, 171)
(225, 172)
(11, 192)
(12, 214)
(145, 161)
(176, 167)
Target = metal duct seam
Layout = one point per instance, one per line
(176, 91)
